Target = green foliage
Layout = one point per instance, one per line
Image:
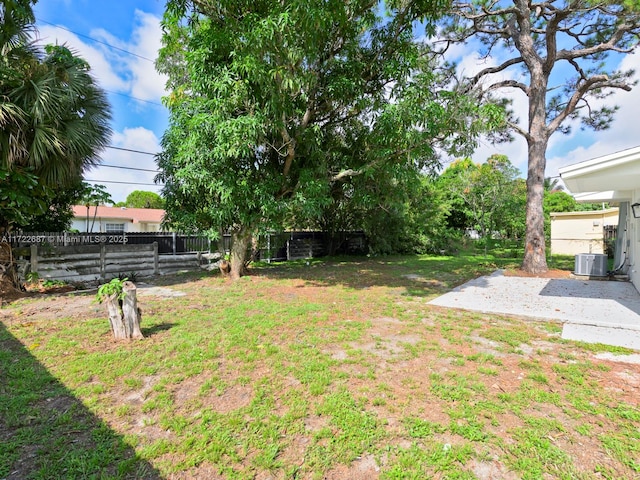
(114, 287)
(143, 199)
(56, 117)
(285, 113)
(32, 277)
(59, 214)
(53, 116)
(489, 197)
(21, 198)
(557, 55)
(559, 201)
(93, 196)
(415, 223)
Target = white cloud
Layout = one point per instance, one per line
(140, 139)
(144, 82)
(115, 69)
(148, 40)
(123, 73)
(101, 67)
(622, 134)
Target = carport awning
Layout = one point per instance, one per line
(608, 178)
(609, 196)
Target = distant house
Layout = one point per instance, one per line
(116, 219)
(580, 232)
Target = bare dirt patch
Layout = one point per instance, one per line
(551, 273)
(61, 302)
(409, 361)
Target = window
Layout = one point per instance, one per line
(114, 228)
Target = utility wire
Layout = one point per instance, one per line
(96, 40)
(110, 46)
(125, 183)
(134, 98)
(131, 150)
(129, 168)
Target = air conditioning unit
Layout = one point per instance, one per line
(591, 264)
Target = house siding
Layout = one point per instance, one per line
(132, 219)
(573, 233)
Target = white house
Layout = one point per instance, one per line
(615, 179)
(116, 219)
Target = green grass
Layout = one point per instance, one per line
(306, 371)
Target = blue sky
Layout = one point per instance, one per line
(120, 39)
(125, 70)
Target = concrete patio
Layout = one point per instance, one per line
(595, 311)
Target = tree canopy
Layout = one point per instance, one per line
(557, 53)
(277, 106)
(54, 119)
(142, 199)
(487, 197)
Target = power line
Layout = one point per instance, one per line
(131, 150)
(129, 168)
(110, 46)
(134, 98)
(96, 40)
(125, 183)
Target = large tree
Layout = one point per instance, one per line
(142, 199)
(486, 194)
(275, 106)
(557, 53)
(54, 119)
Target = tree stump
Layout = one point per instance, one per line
(124, 314)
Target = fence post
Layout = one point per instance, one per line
(156, 260)
(103, 261)
(34, 257)
(175, 239)
(268, 247)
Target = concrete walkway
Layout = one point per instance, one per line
(596, 311)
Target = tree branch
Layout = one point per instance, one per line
(594, 83)
(490, 70)
(507, 84)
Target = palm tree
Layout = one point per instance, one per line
(552, 184)
(54, 118)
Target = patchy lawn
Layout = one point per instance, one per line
(333, 370)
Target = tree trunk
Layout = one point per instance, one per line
(535, 259)
(9, 280)
(124, 314)
(240, 241)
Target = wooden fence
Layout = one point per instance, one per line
(272, 247)
(99, 263)
(168, 242)
(104, 260)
